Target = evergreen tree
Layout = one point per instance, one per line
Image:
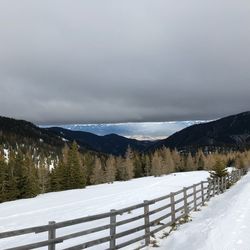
(110, 170)
(97, 176)
(12, 191)
(190, 166)
(3, 177)
(156, 169)
(200, 160)
(147, 168)
(77, 178)
(169, 166)
(128, 164)
(43, 176)
(138, 166)
(179, 166)
(30, 177)
(219, 169)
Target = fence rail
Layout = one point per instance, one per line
(178, 205)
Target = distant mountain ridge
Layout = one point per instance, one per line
(109, 144)
(13, 132)
(231, 132)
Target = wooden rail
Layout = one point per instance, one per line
(152, 216)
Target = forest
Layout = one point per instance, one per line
(25, 173)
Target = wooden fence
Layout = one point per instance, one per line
(154, 216)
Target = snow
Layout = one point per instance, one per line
(224, 224)
(72, 204)
(6, 154)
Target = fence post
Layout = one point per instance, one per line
(202, 193)
(172, 207)
(208, 189)
(147, 222)
(112, 244)
(222, 184)
(195, 201)
(185, 201)
(52, 235)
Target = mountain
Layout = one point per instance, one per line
(13, 132)
(110, 144)
(232, 132)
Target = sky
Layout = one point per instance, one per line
(95, 61)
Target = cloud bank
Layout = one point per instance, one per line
(96, 61)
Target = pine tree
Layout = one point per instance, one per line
(12, 192)
(147, 168)
(219, 169)
(97, 176)
(190, 166)
(43, 176)
(3, 177)
(200, 160)
(128, 164)
(110, 170)
(31, 187)
(120, 168)
(177, 161)
(138, 166)
(168, 161)
(89, 162)
(156, 163)
(77, 178)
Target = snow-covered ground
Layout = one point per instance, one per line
(61, 206)
(223, 225)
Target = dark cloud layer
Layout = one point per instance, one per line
(113, 61)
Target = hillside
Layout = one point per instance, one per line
(109, 144)
(14, 132)
(232, 132)
(19, 132)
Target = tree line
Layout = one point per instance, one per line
(24, 174)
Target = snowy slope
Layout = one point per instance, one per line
(60, 206)
(223, 225)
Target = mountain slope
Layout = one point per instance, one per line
(13, 132)
(25, 133)
(230, 132)
(110, 144)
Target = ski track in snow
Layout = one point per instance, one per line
(223, 225)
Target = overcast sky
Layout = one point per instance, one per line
(90, 61)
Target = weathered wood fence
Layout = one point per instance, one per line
(154, 216)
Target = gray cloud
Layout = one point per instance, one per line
(113, 61)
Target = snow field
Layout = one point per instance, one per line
(223, 225)
(72, 204)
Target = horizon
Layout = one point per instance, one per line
(134, 130)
